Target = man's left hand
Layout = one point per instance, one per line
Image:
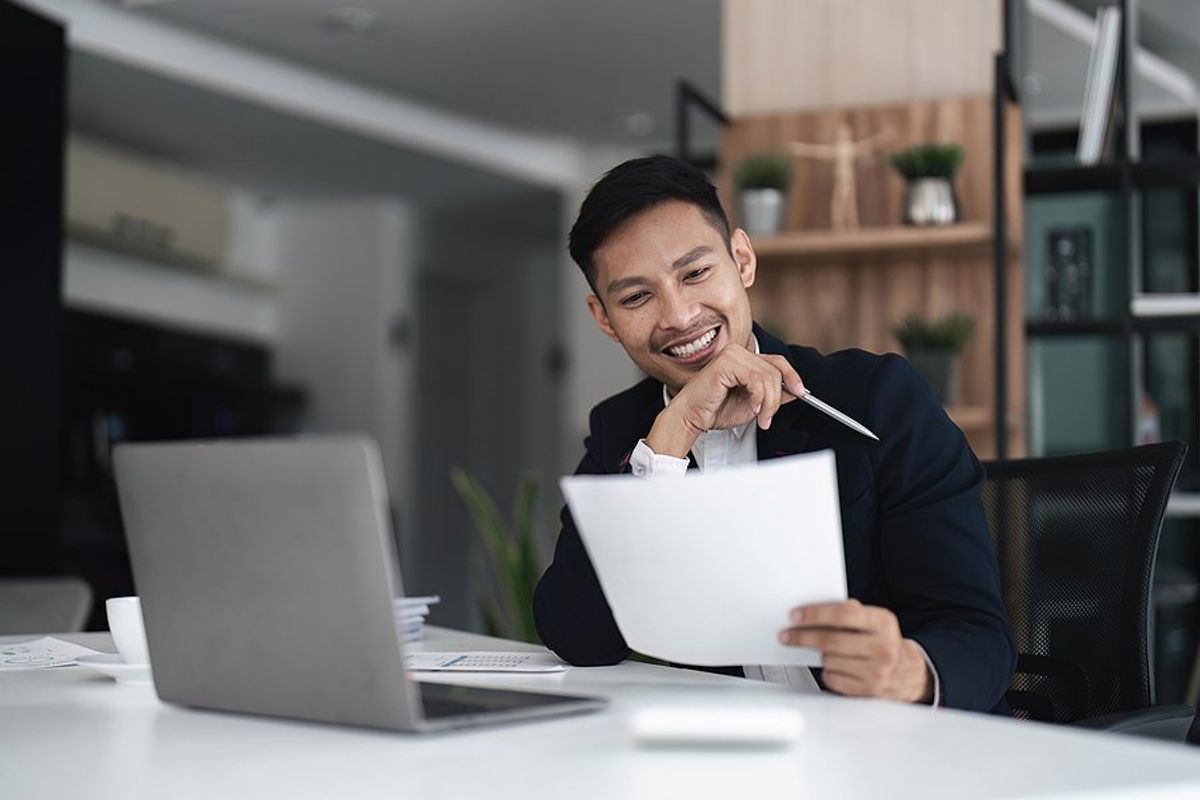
(863, 653)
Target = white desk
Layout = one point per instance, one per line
(67, 732)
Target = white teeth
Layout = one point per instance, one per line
(693, 347)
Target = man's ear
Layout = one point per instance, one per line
(601, 316)
(743, 256)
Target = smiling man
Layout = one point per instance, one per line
(926, 623)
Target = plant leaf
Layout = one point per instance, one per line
(492, 529)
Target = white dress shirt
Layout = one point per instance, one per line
(719, 449)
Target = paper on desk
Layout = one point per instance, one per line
(40, 653)
(703, 569)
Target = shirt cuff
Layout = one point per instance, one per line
(937, 682)
(645, 463)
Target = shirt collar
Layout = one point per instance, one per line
(740, 430)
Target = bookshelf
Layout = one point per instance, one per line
(1131, 362)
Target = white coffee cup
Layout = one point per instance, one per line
(128, 631)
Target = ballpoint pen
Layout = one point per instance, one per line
(825, 408)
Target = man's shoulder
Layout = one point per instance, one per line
(843, 371)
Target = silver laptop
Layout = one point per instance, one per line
(265, 569)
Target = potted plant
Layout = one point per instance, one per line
(513, 558)
(929, 169)
(934, 348)
(762, 183)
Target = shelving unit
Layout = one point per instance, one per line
(834, 289)
(1142, 336)
(1126, 179)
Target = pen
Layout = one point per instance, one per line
(848, 421)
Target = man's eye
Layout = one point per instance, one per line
(633, 299)
(696, 273)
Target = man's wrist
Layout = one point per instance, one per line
(671, 435)
(922, 685)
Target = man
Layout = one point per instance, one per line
(926, 623)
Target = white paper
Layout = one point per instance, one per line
(704, 568)
(41, 653)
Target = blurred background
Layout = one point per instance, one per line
(250, 217)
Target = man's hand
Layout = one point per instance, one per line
(862, 651)
(734, 388)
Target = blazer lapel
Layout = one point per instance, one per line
(785, 437)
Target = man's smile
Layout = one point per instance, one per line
(697, 350)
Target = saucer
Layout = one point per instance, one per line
(112, 665)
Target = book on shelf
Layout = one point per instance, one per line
(1069, 273)
(1165, 305)
(1097, 116)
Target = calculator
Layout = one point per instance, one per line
(484, 661)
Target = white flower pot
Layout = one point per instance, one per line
(762, 211)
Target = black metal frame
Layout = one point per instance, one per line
(687, 97)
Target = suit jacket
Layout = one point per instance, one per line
(915, 535)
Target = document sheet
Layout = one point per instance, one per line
(39, 653)
(704, 568)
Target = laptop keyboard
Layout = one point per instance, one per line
(442, 700)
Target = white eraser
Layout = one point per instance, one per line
(684, 726)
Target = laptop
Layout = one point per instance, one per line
(266, 570)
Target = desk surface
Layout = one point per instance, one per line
(66, 731)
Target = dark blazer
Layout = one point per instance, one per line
(916, 539)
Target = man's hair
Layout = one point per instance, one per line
(630, 188)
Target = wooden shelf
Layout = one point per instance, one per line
(875, 241)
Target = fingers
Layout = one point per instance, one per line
(846, 683)
(768, 382)
(771, 396)
(789, 378)
(848, 614)
(863, 652)
(847, 644)
(767, 372)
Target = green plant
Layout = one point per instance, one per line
(928, 161)
(513, 556)
(764, 171)
(951, 332)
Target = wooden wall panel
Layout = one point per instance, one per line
(788, 55)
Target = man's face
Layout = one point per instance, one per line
(670, 292)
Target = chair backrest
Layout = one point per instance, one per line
(1076, 539)
(44, 605)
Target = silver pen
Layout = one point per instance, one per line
(825, 408)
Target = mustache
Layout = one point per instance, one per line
(660, 342)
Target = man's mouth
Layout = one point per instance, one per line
(696, 350)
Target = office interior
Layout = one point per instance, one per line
(306, 217)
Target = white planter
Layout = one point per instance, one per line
(762, 211)
(930, 201)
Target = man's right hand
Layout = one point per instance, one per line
(735, 387)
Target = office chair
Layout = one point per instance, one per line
(59, 604)
(1076, 539)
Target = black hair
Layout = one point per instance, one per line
(632, 187)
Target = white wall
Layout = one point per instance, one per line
(348, 271)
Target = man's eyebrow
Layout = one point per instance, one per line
(681, 262)
(690, 256)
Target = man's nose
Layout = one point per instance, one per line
(678, 311)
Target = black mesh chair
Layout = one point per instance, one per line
(1076, 539)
